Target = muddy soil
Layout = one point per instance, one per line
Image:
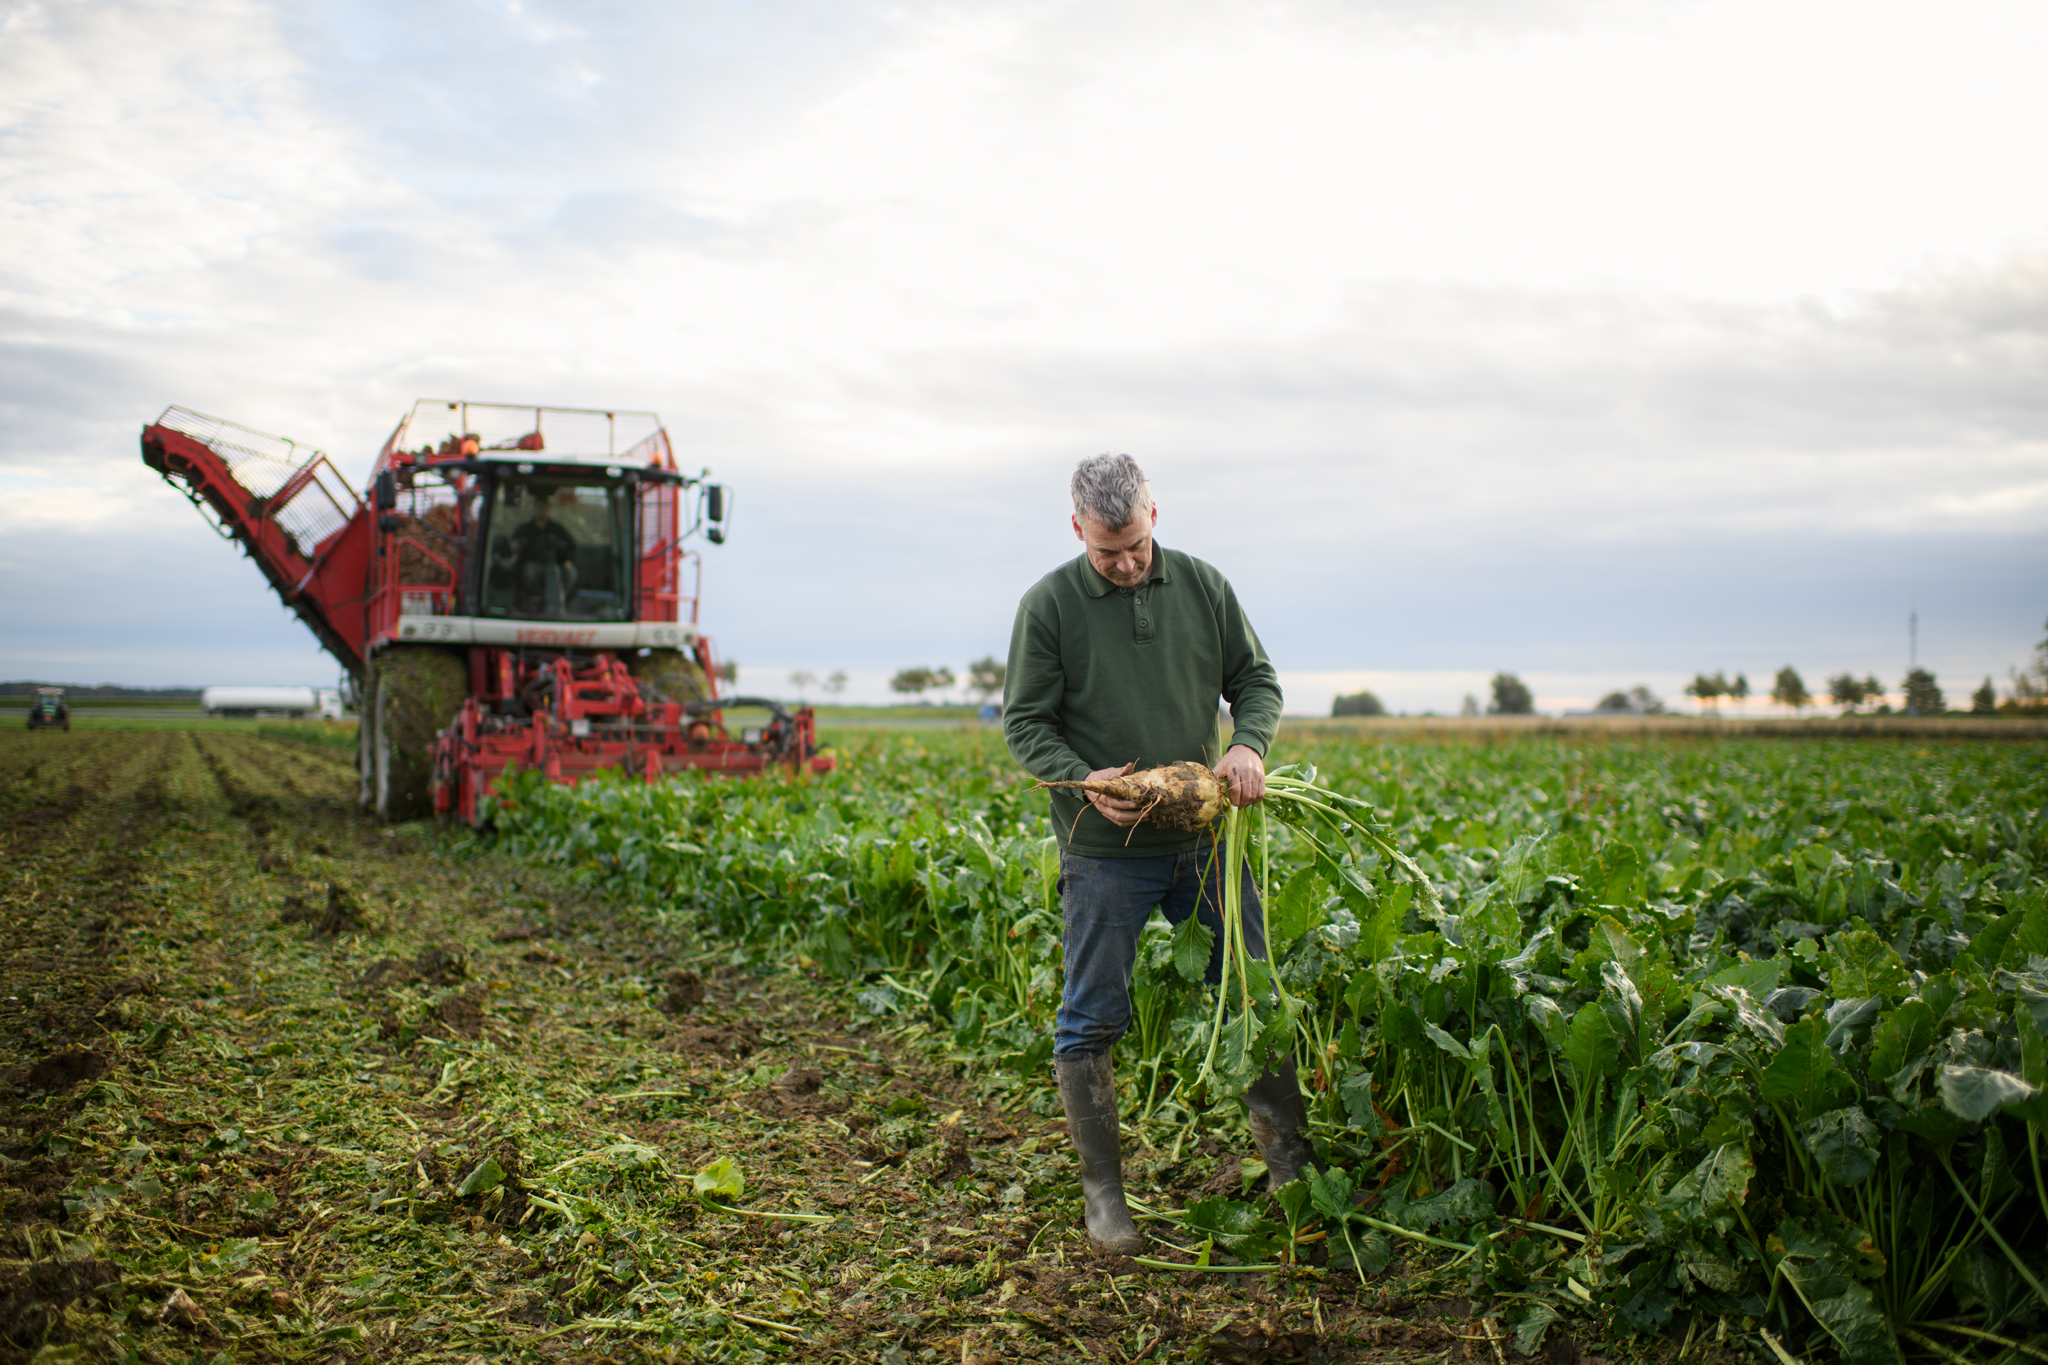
(279, 1084)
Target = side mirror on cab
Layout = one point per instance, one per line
(387, 491)
(714, 512)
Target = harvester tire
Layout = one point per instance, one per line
(415, 690)
(366, 711)
(672, 673)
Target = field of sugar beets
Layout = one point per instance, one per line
(1706, 1049)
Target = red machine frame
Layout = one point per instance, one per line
(395, 569)
(603, 721)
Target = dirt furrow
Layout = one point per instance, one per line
(74, 863)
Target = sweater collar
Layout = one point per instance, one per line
(1098, 586)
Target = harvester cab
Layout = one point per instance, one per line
(48, 710)
(513, 590)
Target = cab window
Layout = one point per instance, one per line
(557, 550)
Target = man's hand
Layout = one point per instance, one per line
(1245, 773)
(1119, 812)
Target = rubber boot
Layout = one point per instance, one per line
(1088, 1092)
(1279, 1124)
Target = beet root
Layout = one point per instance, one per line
(1180, 795)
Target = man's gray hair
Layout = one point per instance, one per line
(1111, 489)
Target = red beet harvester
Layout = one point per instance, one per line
(509, 591)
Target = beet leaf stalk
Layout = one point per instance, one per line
(1339, 831)
(1332, 822)
(1257, 987)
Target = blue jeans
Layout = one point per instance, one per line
(1107, 902)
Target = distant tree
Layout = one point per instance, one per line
(1984, 701)
(1739, 689)
(1708, 691)
(910, 682)
(1790, 689)
(1357, 704)
(2029, 694)
(803, 680)
(1469, 706)
(1873, 690)
(835, 682)
(1638, 700)
(729, 670)
(1846, 690)
(2030, 684)
(1511, 697)
(1923, 696)
(986, 676)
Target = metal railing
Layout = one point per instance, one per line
(279, 473)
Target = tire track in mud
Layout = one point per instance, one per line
(74, 863)
(249, 818)
(265, 784)
(284, 815)
(79, 869)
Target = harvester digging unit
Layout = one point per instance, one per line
(510, 590)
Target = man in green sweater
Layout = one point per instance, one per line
(1117, 659)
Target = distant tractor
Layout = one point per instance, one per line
(513, 589)
(48, 710)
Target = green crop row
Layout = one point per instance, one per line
(1703, 1035)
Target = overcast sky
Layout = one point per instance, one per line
(1602, 342)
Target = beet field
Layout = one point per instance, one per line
(1659, 1049)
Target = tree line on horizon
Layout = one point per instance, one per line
(103, 691)
(985, 677)
(2026, 694)
(1921, 690)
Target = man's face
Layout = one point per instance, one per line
(1124, 556)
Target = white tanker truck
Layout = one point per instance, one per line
(296, 702)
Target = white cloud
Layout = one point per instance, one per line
(150, 143)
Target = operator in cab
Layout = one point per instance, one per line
(539, 544)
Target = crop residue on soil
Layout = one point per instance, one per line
(284, 1085)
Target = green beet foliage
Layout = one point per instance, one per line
(1739, 1033)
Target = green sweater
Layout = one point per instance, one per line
(1101, 676)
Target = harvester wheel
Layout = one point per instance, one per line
(415, 690)
(672, 673)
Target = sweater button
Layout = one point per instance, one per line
(1142, 623)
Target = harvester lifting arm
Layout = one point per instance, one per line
(309, 533)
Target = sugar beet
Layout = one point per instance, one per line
(1180, 795)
